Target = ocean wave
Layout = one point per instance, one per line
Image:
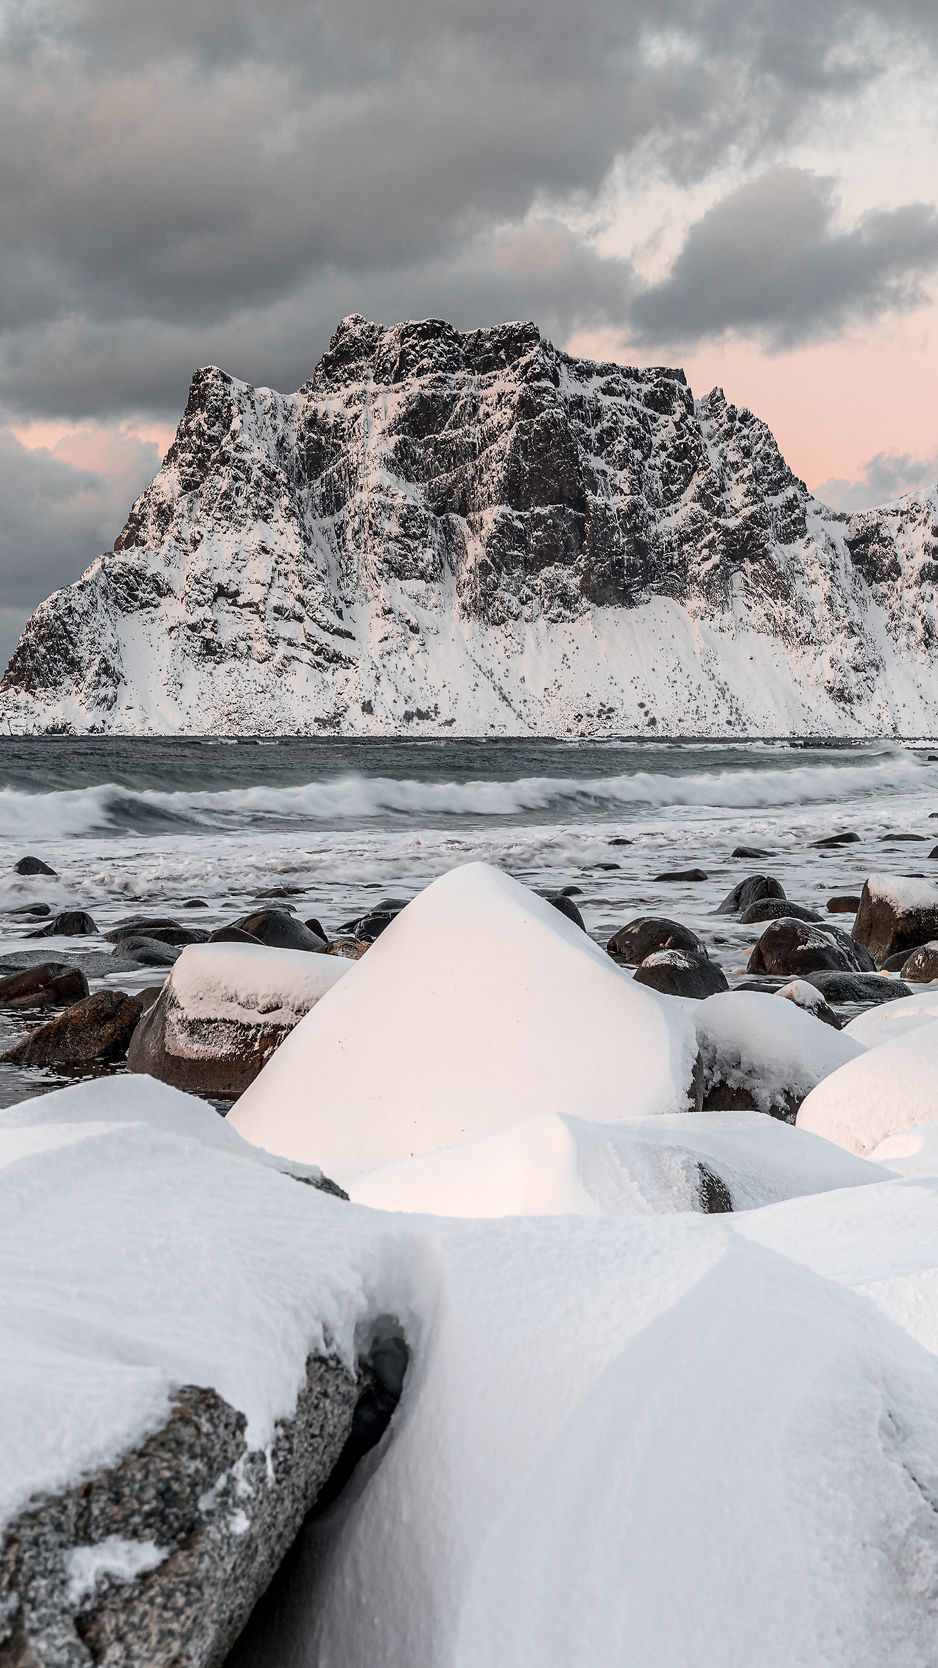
(358, 798)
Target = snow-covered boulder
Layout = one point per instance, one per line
(896, 913)
(178, 1373)
(223, 1011)
(479, 1006)
(554, 1165)
(759, 1052)
(913, 1152)
(887, 1088)
(893, 1019)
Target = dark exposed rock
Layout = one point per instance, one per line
(148, 952)
(619, 840)
(831, 840)
(222, 1514)
(679, 973)
(844, 903)
(749, 851)
(280, 931)
(159, 932)
(314, 925)
(566, 906)
(352, 949)
(195, 903)
(933, 852)
(32, 866)
(895, 964)
(94, 1031)
(48, 984)
(922, 965)
(720, 1096)
(801, 947)
(31, 912)
(683, 874)
(646, 934)
(894, 836)
(865, 988)
(775, 909)
(885, 924)
(371, 926)
(71, 923)
(232, 935)
(749, 891)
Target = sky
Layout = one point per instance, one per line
(746, 188)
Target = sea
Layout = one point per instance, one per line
(329, 828)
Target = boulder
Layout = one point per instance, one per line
(32, 866)
(749, 851)
(922, 965)
(567, 907)
(147, 952)
(895, 964)
(159, 932)
(351, 948)
(801, 947)
(279, 931)
(32, 912)
(749, 891)
(70, 923)
(758, 1053)
(232, 935)
(808, 997)
(195, 903)
(315, 925)
(646, 934)
(832, 840)
(50, 984)
(679, 973)
(223, 1011)
(619, 840)
(776, 909)
(895, 914)
(894, 836)
(372, 924)
(856, 988)
(94, 1031)
(683, 874)
(843, 903)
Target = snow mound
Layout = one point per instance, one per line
(478, 1007)
(913, 1152)
(240, 981)
(893, 1019)
(565, 1166)
(887, 1089)
(769, 1048)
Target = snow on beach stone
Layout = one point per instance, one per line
(888, 1088)
(913, 1152)
(479, 1006)
(895, 913)
(893, 1019)
(765, 1053)
(553, 1165)
(223, 1011)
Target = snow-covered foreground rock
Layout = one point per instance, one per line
(481, 1005)
(671, 1388)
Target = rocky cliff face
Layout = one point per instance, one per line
(478, 533)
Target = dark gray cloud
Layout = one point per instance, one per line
(770, 258)
(884, 477)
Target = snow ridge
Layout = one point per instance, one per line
(477, 533)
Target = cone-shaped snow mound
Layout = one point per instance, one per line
(480, 1006)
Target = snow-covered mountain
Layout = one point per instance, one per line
(478, 533)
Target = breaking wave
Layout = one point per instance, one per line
(354, 798)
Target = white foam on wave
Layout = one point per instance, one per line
(106, 806)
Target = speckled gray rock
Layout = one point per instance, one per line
(221, 1515)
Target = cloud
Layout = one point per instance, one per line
(770, 259)
(181, 182)
(61, 508)
(885, 477)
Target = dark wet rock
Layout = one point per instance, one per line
(352, 949)
(149, 952)
(775, 909)
(894, 836)
(282, 892)
(802, 947)
(857, 988)
(619, 840)
(680, 973)
(749, 851)
(159, 932)
(683, 874)
(31, 912)
(844, 903)
(278, 929)
(223, 1514)
(886, 922)
(571, 891)
(749, 891)
(232, 935)
(47, 984)
(808, 997)
(195, 903)
(605, 867)
(94, 1031)
(315, 926)
(832, 840)
(70, 923)
(768, 984)
(721, 1096)
(371, 926)
(32, 866)
(895, 964)
(922, 965)
(566, 906)
(933, 852)
(640, 938)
